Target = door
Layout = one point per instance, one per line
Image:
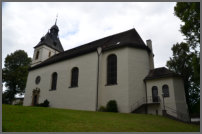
(155, 94)
(35, 100)
(35, 96)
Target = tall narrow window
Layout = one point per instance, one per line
(155, 94)
(54, 81)
(165, 90)
(49, 54)
(37, 55)
(111, 69)
(75, 76)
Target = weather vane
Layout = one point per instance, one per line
(56, 18)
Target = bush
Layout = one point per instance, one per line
(19, 103)
(44, 104)
(112, 106)
(102, 109)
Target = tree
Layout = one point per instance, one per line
(189, 13)
(186, 56)
(15, 73)
(181, 63)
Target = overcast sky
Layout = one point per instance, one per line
(24, 24)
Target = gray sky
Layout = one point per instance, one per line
(23, 24)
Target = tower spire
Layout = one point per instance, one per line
(56, 19)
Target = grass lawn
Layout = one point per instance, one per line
(39, 119)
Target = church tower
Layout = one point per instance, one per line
(48, 46)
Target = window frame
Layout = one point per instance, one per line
(37, 55)
(74, 77)
(165, 93)
(49, 54)
(54, 78)
(111, 70)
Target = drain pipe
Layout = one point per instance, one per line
(99, 51)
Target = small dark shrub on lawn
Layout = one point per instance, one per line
(44, 104)
(112, 106)
(20, 103)
(102, 109)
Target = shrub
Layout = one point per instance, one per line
(44, 104)
(102, 109)
(112, 106)
(19, 103)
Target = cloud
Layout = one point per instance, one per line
(24, 24)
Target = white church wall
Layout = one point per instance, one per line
(118, 92)
(180, 98)
(138, 69)
(81, 97)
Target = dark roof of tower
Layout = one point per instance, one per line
(161, 72)
(51, 41)
(55, 27)
(128, 38)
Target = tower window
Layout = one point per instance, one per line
(112, 69)
(74, 77)
(37, 55)
(54, 81)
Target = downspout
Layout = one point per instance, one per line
(99, 51)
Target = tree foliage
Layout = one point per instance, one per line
(182, 63)
(15, 73)
(189, 13)
(186, 56)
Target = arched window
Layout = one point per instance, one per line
(165, 90)
(111, 69)
(155, 94)
(74, 77)
(54, 81)
(37, 55)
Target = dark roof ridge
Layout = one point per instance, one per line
(93, 41)
(101, 39)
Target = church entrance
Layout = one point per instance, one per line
(35, 100)
(35, 96)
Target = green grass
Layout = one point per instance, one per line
(39, 119)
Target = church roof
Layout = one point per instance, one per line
(51, 40)
(128, 38)
(161, 72)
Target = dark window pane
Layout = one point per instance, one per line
(74, 79)
(112, 69)
(54, 81)
(155, 94)
(165, 90)
(37, 55)
(37, 80)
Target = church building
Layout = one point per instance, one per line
(118, 67)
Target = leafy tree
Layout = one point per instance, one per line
(186, 56)
(15, 73)
(189, 13)
(181, 63)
